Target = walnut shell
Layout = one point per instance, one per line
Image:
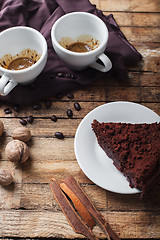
(1, 127)
(5, 178)
(22, 133)
(17, 151)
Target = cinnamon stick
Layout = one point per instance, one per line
(75, 221)
(73, 185)
(83, 212)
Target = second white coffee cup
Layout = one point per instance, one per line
(13, 41)
(76, 24)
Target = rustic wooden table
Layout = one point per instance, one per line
(27, 207)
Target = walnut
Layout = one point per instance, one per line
(17, 151)
(5, 178)
(1, 127)
(22, 133)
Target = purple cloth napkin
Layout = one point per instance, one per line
(57, 77)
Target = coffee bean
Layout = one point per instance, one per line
(61, 75)
(77, 106)
(59, 135)
(30, 119)
(37, 106)
(48, 104)
(23, 121)
(72, 76)
(68, 75)
(54, 118)
(69, 113)
(16, 108)
(70, 95)
(7, 110)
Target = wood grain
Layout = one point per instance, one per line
(128, 5)
(28, 209)
(138, 19)
(49, 224)
(24, 195)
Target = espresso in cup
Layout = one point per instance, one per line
(84, 51)
(79, 47)
(23, 56)
(83, 43)
(22, 60)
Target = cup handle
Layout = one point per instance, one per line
(105, 60)
(6, 85)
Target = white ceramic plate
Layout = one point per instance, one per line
(93, 161)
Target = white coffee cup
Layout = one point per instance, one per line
(13, 41)
(76, 24)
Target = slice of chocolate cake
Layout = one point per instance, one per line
(134, 149)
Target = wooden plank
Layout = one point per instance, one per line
(124, 202)
(151, 94)
(123, 94)
(45, 128)
(128, 19)
(46, 149)
(91, 93)
(42, 171)
(44, 199)
(96, 2)
(24, 195)
(89, 98)
(18, 223)
(150, 79)
(128, 5)
(151, 59)
(11, 195)
(14, 169)
(141, 34)
(59, 108)
(135, 79)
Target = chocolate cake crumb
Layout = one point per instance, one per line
(134, 149)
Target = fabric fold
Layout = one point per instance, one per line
(57, 77)
(69, 6)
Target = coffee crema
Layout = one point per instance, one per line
(25, 59)
(21, 63)
(79, 47)
(83, 43)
